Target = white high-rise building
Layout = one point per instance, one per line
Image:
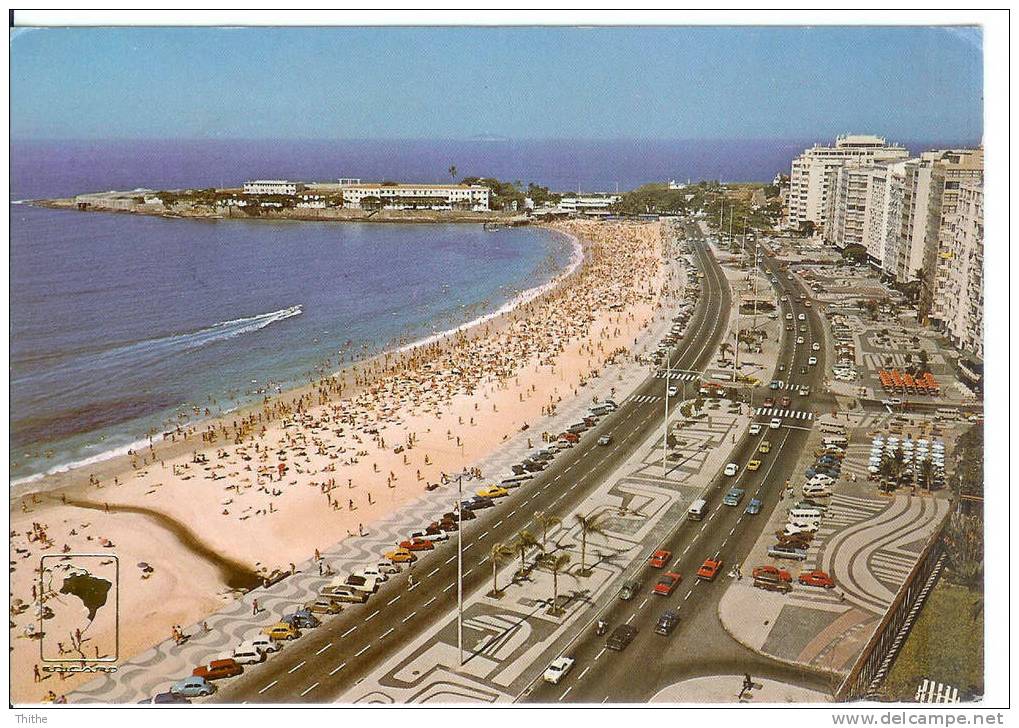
(866, 208)
(962, 295)
(813, 174)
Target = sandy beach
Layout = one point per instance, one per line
(220, 504)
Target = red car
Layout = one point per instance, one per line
(769, 402)
(417, 544)
(817, 578)
(786, 402)
(660, 558)
(218, 669)
(667, 584)
(778, 573)
(709, 569)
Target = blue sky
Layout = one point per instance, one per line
(596, 83)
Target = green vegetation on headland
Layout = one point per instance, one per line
(504, 194)
(752, 206)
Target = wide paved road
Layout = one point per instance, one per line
(328, 660)
(699, 645)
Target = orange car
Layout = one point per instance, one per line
(417, 544)
(817, 578)
(218, 669)
(401, 556)
(660, 558)
(709, 569)
(780, 574)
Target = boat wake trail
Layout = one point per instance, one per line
(143, 353)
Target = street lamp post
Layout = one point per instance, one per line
(460, 569)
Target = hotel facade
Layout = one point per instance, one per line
(416, 196)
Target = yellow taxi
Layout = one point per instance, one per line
(765, 447)
(401, 556)
(753, 465)
(493, 491)
(282, 631)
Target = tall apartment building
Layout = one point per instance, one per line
(941, 173)
(962, 294)
(813, 174)
(866, 207)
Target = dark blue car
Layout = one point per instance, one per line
(302, 619)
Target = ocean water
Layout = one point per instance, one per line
(119, 322)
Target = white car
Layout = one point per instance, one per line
(387, 568)
(801, 317)
(775, 423)
(673, 391)
(815, 346)
(812, 361)
(800, 340)
(265, 643)
(559, 667)
(821, 479)
(791, 529)
(731, 469)
(247, 653)
(373, 572)
(605, 440)
(425, 536)
(755, 428)
(788, 317)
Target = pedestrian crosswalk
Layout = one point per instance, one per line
(784, 413)
(643, 398)
(677, 376)
(785, 386)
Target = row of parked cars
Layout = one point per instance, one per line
(678, 329)
(773, 578)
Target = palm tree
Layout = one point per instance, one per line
(725, 348)
(499, 550)
(556, 563)
(525, 540)
(546, 521)
(587, 523)
(452, 172)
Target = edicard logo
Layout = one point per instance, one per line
(79, 612)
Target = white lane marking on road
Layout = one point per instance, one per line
(267, 686)
(308, 690)
(387, 633)
(724, 541)
(566, 693)
(296, 667)
(468, 571)
(468, 546)
(643, 603)
(338, 668)
(600, 653)
(485, 533)
(732, 530)
(449, 587)
(415, 586)
(630, 619)
(371, 616)
(324, 648)
(362, 651)
(391, 602)
(433, 572)
(688, 595)
(407, 617)
(497, 524)
(347, 632)
(430, 601)
(581, 675)
(451, 559)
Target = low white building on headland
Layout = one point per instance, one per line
(272, 187)
(416, 196)
(588, 203)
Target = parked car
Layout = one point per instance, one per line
(247, 654)
(817, 578)
(168, 698)
(425, 535)
(401, 556)
(323, 605)
(557, 669)
(282, 631)
(621, 637)
(302, 619)
(660, 558)
(265, 643)
(774, 571)
(709, 569)
(667, 583)
(780, 551)
(193, 687)
(769, 582)
(218, 669)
